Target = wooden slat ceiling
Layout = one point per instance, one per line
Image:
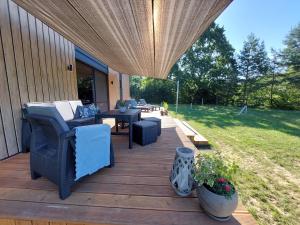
(141, 37)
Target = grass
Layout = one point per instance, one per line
(266, 146)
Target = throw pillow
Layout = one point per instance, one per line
(86, 111)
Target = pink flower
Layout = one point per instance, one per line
(227, 188)
(221, 180)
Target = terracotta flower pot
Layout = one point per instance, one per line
(216, 206)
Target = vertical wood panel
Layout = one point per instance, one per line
(54, 64)
(125, 86)
(8, 123)
(48, 62)
(113, 87)
(72, 73)
(67, 72)
(41, 47)
(35, 58)
(27, 54)
(63, 67)
(11, 71)
(73, 62)
(3, 149)
(18, 51)
(59, 67)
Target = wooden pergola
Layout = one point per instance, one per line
(142, 37)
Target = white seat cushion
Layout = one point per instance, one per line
(65, 109)
(74, 105)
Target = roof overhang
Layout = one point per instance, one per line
(142, 37)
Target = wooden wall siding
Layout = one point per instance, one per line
(3, 154)
(35, 58)
(33, 67)
(126, 86)
(32, 94)
(113, 88)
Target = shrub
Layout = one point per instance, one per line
(165, 105)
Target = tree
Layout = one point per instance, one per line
(291, 57)
(291, 52)
(158, 90)
(135, 86)
(253, 62)
(208, 69)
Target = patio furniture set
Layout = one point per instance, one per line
(140, 104)
(68, 140)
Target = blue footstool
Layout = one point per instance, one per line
(144, 132)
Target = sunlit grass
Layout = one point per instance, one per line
(266, 146)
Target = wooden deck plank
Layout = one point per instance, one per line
(103, 215)
(104, 200)
(103, 178)
(107, 200)
(135, 191)
(84, 187)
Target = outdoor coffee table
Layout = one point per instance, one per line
(130, 116)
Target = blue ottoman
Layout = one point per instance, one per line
(157, 121)
(144, 132)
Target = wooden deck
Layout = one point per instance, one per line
(135, 191)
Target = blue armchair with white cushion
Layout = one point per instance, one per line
(60, 154)
(71, 112)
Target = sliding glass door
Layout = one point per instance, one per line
(92, 85)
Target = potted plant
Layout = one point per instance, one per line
(216, 193)
(164, 109)
(122, 106)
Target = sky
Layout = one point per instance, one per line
(269, 20)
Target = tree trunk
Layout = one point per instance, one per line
(246, 88)
(272, 88)
(245, 93)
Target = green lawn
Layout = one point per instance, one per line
(266, 146)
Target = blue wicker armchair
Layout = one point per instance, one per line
(52, 148)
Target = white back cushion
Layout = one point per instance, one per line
(65, 110)
(29, 104)
(48, 109)
(74, 105)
